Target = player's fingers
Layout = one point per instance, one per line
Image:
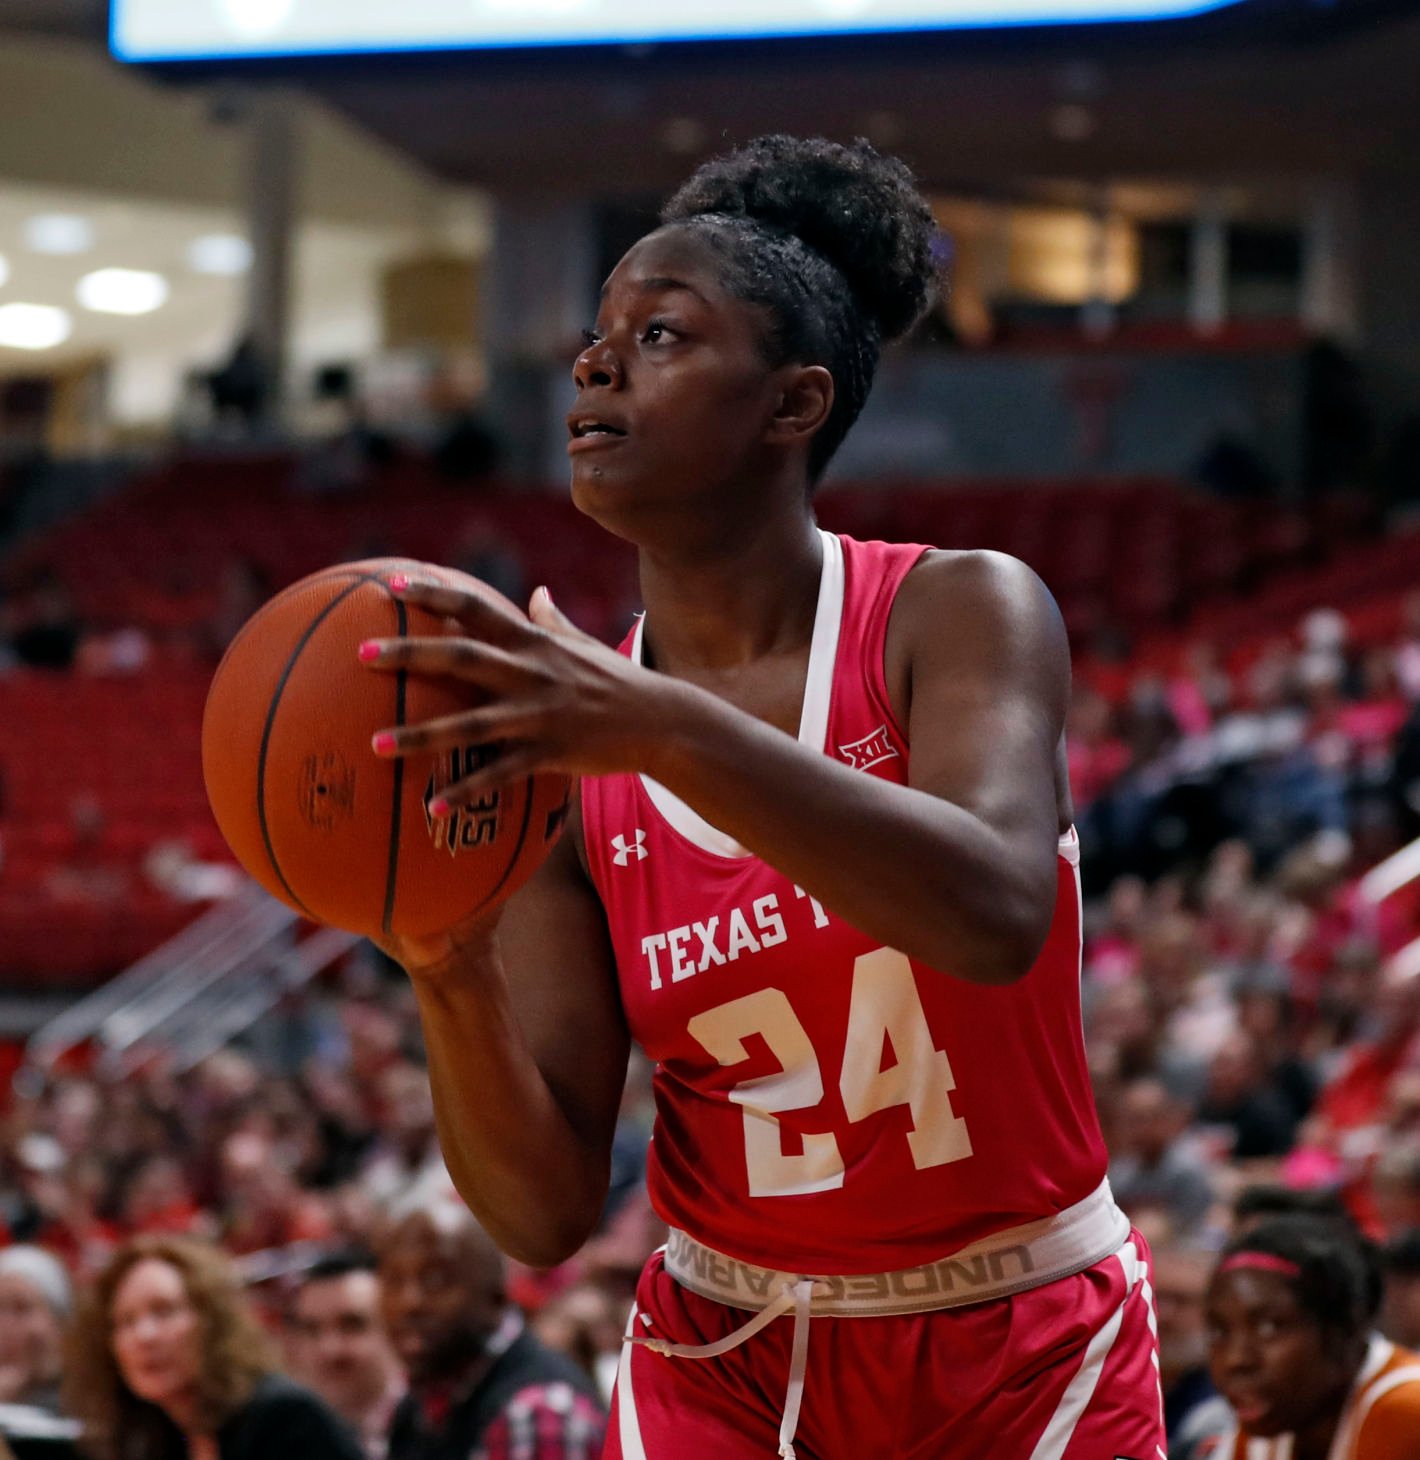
(482, 615)
(508, 763)
(543, 612)
(500, 721)
(449, 658)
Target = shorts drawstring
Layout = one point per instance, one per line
(799, 1296)
(798, 1362)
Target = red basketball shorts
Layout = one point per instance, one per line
(1067, 1371)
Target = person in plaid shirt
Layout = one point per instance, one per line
(481, 1386)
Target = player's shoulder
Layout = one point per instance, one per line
(977, 581)
(1391, 1428)
(981, 615)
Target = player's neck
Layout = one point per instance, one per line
(1314, 1442)
(728, 600)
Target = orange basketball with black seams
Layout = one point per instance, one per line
(338, 833)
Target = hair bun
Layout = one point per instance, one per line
(860, 210)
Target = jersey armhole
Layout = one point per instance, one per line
(880, 624)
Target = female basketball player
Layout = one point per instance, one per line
(1292, 1350)
(822, 869)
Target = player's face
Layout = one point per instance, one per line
(673, 390)
(1270, 1359)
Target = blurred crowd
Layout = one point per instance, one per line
(309, 1161)
(1312, 733)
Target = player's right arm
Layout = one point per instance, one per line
(527, 1048)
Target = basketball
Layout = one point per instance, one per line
(340, 834)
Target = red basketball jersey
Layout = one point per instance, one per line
(824, 1104)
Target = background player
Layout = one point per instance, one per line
(856, 967)
(1292, 1349)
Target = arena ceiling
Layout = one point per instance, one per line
(1272, 98)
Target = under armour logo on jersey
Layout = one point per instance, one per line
(868, 751)
(625, 850)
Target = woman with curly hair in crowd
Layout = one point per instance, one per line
(168, 1362)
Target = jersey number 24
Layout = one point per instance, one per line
(884, 1007)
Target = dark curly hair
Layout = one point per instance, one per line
(235, 1353)
(834, 242)
(1334, 1284)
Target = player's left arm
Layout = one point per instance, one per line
(957, 869)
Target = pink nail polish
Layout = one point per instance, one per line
(383, 743)
(369, 651)
(438, 807)
(547, 594)
(399, 582)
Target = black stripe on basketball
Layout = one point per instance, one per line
(301, 643)
(397, 801)
(517, 850)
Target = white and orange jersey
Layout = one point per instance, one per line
(1381, 1420)
(825, 1104)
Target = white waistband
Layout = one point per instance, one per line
(1007, 1262)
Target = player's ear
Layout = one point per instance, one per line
(805, 400)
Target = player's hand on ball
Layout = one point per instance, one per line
(553, 698)
(449, 949)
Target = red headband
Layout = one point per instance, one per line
(1264, 1261)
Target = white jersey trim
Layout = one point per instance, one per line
(628, 1423)
(1081, 1388)
(813, 719)
(1365, 1392)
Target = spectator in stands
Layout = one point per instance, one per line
(1098, 757)
(479, 1382)
(585, 1323)
(91, 874)
(36, 1304)
(1189, 998)
(34, 1191)
(241, 388)
(1155, 1167)
(263, 1203)
(339, 1347)
(167, 1362)
(47, 627)
(1406, 774)
(1395, 1186)
(1407, 650)
(1240, 1101)
(157, 1197)
(1112, 948)
(1400, 1312)
(242, 589)
(405, 1169)
(1193, 1411)
(1353, 1101)
(1267, 1014)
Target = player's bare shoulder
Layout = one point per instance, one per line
(977, 612)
